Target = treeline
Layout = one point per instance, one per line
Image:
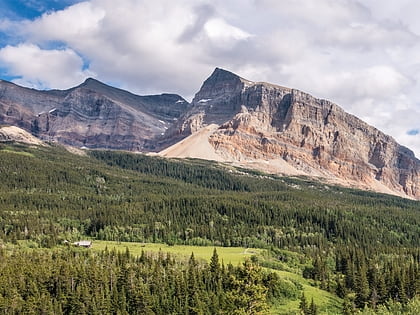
(84, 282)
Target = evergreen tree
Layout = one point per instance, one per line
(362, 288)
(313, 309)
(303, 304)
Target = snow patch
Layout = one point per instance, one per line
(204, 100)
(179, 101)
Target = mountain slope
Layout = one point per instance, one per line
(265, 122)
(92, 114)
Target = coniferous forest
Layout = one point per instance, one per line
(363, 247)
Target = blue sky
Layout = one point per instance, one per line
(30, 9)
(362, 55)
(20, 10)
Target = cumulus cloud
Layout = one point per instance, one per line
(362, 55)
(43, 68)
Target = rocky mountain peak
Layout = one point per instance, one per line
(219, 85)
(91, 82)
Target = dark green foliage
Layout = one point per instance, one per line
(81, 282)
(205, 174)
(313, 309)
(350, 242)
(303, 305)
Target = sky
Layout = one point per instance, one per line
(363, 55)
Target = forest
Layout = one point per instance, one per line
(361, 246)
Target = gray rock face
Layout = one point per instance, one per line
(93, 115)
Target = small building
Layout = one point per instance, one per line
(86, 244)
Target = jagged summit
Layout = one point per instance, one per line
(222, 75)
(219, 83)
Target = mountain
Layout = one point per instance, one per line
(92, 114)
(283, 130)
(252, 124)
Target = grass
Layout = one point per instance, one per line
(17, 152)
(233, 255)
(327, 303)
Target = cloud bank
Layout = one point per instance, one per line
(363, 55)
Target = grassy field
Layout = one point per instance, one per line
(233, 255)
(17, 152)
(327, 302)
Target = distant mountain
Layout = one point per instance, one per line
(92, 114)
(231, 119)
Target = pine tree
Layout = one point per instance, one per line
(215, 272)
(348, 306)
(362, 288)
(303, 305)
(313, 309)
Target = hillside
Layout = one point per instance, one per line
(344, 238)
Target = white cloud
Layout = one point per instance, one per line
(221, 33)
(363, 55)
(80, 20)
(43, 68)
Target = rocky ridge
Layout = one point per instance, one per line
(92, 115)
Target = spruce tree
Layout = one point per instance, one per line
(313, 309)
(303, 304)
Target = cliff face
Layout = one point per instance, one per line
(93, 115)
(261, 121)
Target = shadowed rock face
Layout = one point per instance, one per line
(93, 115)
(257, 121)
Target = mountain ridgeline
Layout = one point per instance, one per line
(92, 115)
(256, 125)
